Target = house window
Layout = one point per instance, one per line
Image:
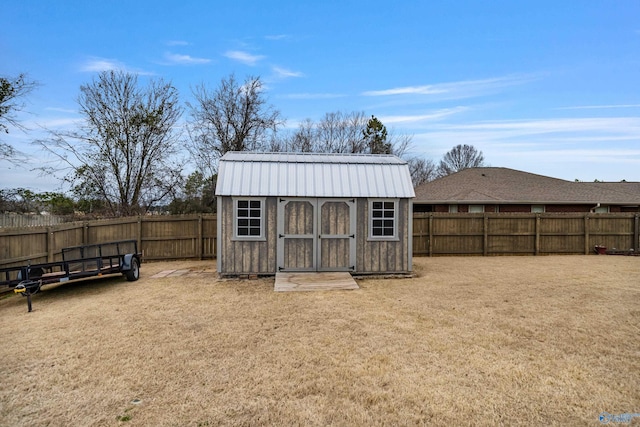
(601, 209)
(476, 208)
(249, 219)
(453, 208)
(383, 219)
(537, 208)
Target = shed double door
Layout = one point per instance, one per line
(316, 234)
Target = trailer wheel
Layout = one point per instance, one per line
(31, 273)
(133, 274)
(36, 272)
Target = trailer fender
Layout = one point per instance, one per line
(127, 262)
(132, 272)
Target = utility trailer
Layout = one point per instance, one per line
(78, 262)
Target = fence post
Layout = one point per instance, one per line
(430, 236)
(485, 231)
(139, 237)
(85, 233)
(50, 249)
(200, 248)
(537, 243)
(636, 233)
(586, 234)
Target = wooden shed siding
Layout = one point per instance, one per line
(260, 257)
(248, 256)
(382, 256)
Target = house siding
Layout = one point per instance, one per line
(515, 208)
(568, 208)
(525, 208)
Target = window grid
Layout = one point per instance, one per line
(249, 218)
(383, 219)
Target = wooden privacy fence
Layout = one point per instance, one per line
(158, 237)
(194, 236)
(29, 220)
(522, 234)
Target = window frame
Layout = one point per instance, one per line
(370, 209)
(261, 236)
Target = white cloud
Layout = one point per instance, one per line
(97, 64)
(244, 57)
(407, 90)
(61, 110)
(60, 123)
(101, 64)
(598, 107)
(584, 148)
(612, 125)
(277, 37)
(285, 73)
(436, 115)
(177, 43)
(312, 96)
(455, 90)
(176, 58)
(608, 134)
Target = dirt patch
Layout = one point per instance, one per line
(482, 341)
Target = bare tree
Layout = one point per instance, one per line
(123, 153)
(400, 144)
(458, 158)
(13, 90)
(233, 117)
(422, 170)
(339, 132)
(301, 140)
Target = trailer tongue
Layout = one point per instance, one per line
(78, 262)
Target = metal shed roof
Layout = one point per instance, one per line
(313, 175)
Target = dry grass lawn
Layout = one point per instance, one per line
(470, 341)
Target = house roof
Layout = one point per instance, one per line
(313, 175)
(502, 185)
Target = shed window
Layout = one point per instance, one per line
(249, 214)
(383, 219)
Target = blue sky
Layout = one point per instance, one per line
(549, 87)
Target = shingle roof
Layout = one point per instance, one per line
(503, 185)
(313, 175)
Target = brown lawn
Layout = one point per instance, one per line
(470, 341)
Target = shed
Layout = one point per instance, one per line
(281, 212)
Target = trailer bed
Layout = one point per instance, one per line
(78, 262)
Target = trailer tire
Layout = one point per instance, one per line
(36, 272)
(134, 273)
